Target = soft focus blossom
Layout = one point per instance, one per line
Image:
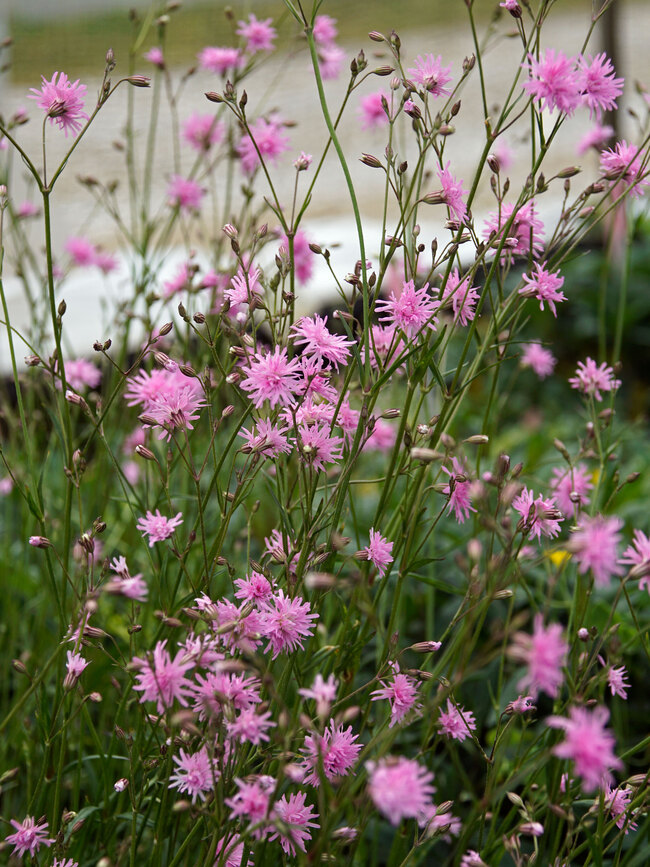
(184, 193)
(265, 140)
(540, 360)
(303, 255)
(544, 286)
(597, 137)
(323, 692)
(371, 110)
(429, 74)
(456, 722)
(544, 653)
(259, 35)
(157, 527)
(252, 801)
(379, 552)
(195, 775)
(81, 374)
(221, 60)
(594, 545)
(162, 679)
(335, 752)
(81, 251)
(554, 82)
(401, 691)
(155, 56)
(249, 726)
(598, 84)
(325, 30)
(617, 802)
(62, 101)
(400, 788)
(624, 163)
(588, 744)
(29, 836)
(637, 555)
(524, 234)
(330, 59)
(571, 487)
(592, 378)
(201, 131)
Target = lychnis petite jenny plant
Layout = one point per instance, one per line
(334, 582)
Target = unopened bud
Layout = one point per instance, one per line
(145, 453)
(139, 80)
(371, 161)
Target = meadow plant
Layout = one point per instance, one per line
(286, 586)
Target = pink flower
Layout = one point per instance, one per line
(456, 722)
(386, 344)
(522, 704)
(554, 82)
(235, 853)
(318, 341)
(544, 286)
(259, 35)
(81, 374)
(637, 555)
(220, 59)
(598, 84)
(453, 194)
(202, 131)
(67, 862)
(317, 447)
(196, 774)
(430, 74)
(303, 162)
(80, 250)
(266, 439)
(323, 692)
(330, 59)
(588, 744)
(155, 56)
(412, 311)
(471, 858)
(157, 527)
(325, 30)
(616, 679)
(27, 209)
(544, 653)
(594, 545)
(29, 836)
(597, 138)
(106, 262)
(62, 101)
(463, 297)
(184, 193)
(297, 818)
(591, 378)
(458, 490)
(252, 801)
(335, 752)
(303, 255)
(286, 622)
(264, 140)
(74, 668)
(182, 279)
(163, 679)
(371, 110)
(250, 726)
(148, 388)
(571, 487)
(539, 516)
(243, 625)
(245, 285)
(379, 552)
(624, 164)
(125, 584)
(617, 802)
(540, 360)
(176, 410)
(271, 377)
(524, 232)
(400, 788)
(220, 690)
(401, 691)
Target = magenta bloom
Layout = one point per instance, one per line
(235, 853)
(271, 377)
(196, 774)
(220, 59)
(266, 140)
(303, 256)
(62, 101)
(266, 439)
(595, 547)
(456, 722)
(624, 164)
(29, 836)
(325, 30)
(74, 668)
(184, 193)
(617, 802)
(554, 82)
(252, 801)
(80, 250)
(597, 138)
(616, 679)
(429, 74)
(588, 744)
(259, 35)
(371, 110)
(544, 653)
(81, 374)
(322, 691)
(400, 788)
(158, 527)
(412, 311)
(453, 194)
(176, 410)
(250, 726)
(637, 555)
(544, 286)
(540, 360)
(201, 131)
(401, 691)
(539, 516)
(162, 679)
(379, 552)
(525, 232)
(317, 447)
(293, 813)
(286, 622)
(155, 56)
(598, 84)
(591, 378)
(318, 340)
(458, 490)
(336, 752)
(463, 297)
(571, 487)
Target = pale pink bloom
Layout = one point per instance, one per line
(220, 59)
(412, 311)
(62, 101)
(303, 255)
(279, 546)
(202, 131)
(597, 138)
(371, 110)
(453, 194)
(617, 801)
(184, 193)
(383, 436)
(250, 727)
(162, 679)
(588, 744)
(323, 692)
(592, 378)
(298, 818)
(318, 341)
(105, 261)
(386, 344)
(157, 527)
(286, 622)
(544, 286)
(540, 360)
(259, 35)
(400, 788)
(196, 774)
(245, 285)
(471, 858)
(616, 679)
(81, 374)
(623, 163)
(571, 487)
(335, 752)
(456, 722)
(303, 162)
(539, 516)
(637, 555)
(27, 209)
(252, 802)
(458, 490)
(379, 552)
(148, 388)
(598, 84)
(315, 382)
(544, 653)
(265, 139)
(155, 56)
(176, 411)
(131, 586)
(429, 74)
(266, 439)
(317, 446)
(554, 81)
(522, 704)
(524, 234)
(29, 836)
(435, 822)
(244, 626)
(325, 30)
(80, 250)
(511, 6)
(330, 59)
(6, 486)
(401, 691)
(271, 377)
(534, 829)
(234, 848)
(411, 109)
(463, 297)
(504, 154)
(181, 279)
(220, 689)
(594, 545)
(348, 419)
(74, 668)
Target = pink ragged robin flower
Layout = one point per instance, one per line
(592, 378)
(323, 692)
(259, 35)
(412, 310)
(554, 81)
(222, 690)
(617, 801)
(245, 286)
(317, 446)
(271, 377)
(458, 490)
(252, 802)
(379, 552)
(80, 250)
(155, 56)
(456, 722)
(66, 862)
(382, 437)
(325, 30)
(237, 627)
(372, 112)
(386, 345)
(523, 229)
(184, 193)
(471, 858)
(81, 374)
(303, 162)
(157, 527)
(594, 545)
(147, 388)
(26, 210)
(176, 410)
(106, 262)
(598, 84)
(623, 163)
(74, 668)
(202, 131)
(219, 59)
(540, 360)
(616, 679)
(430, 75)
(266, 439)
(453, 194)
(401, 691)
(317, 340)
(571, 487)
(234, 853)
(266, 140)
(544, 286)
(463, 297)
(296, 819)
(248, 726)
(597, 137)
(588, 744)
(335, 752)
(62, 101)
(303, 256)
(195, 775)
(544, 653)
(637, 556)
(29, 836)
(400, 788)
(162, 679)
(539, 516)
(330, 59)
(522, 704)
(286, 622)
(125, 584)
